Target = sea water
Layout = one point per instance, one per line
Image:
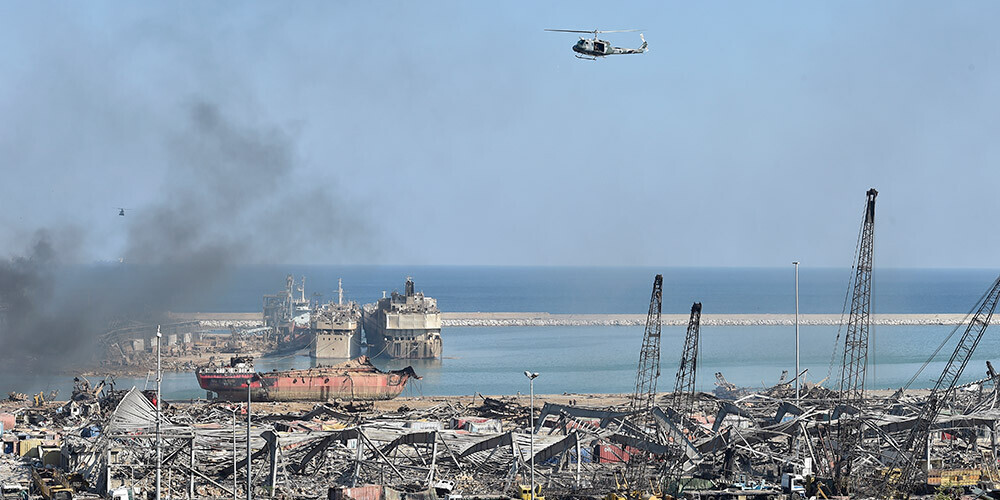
(603, 359)
(604, 289)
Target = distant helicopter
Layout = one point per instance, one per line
(592, 48)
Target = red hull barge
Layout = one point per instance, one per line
(355, 380)
(230, 382)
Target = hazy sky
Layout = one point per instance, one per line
(462, 133)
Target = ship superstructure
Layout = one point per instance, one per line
(336, 328)
(288, 316)
(283, 311)
(404, 325)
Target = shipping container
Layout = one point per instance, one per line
(586, 455)
(9, 444)
(29, 447)
(488, 426)
(50, 455)
(476, 424)
(7, 422)
(370, 492)
(609, 453)
(424, 425)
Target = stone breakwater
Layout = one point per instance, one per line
(480, 319)
(221, 324)
(220, 321)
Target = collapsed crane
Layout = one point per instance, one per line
(943, 391)
(855, 361)
(644, 397)
(684, 392)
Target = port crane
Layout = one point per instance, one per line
(943, 391)
(855, 360)
(644, 397)
(684, 393)
(852, 375)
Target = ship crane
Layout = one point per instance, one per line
(855, 361)
(684, 392)
(643, 399)
(943, 391)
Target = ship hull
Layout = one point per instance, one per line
(231, 386)
(344, 387)
(339, 345)
(408, 344)
(356, 380)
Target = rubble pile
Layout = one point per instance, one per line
(736, 442)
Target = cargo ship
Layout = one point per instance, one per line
(336, 329)
(404, 326)
(355, 380)
(229, 383)
(288, 317)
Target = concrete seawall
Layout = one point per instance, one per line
(485, 319)
(500, 319)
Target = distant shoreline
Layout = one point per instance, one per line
(515, 319)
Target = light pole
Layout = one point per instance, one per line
(235, 478)
(249, 384)
(531, 419)
(796, 264)
(159, 452)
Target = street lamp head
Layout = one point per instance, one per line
(530, 375)
(795, 262)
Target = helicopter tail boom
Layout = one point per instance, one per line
(626, 50)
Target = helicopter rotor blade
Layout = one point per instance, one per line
(594, 32)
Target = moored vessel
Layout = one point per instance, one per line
(336, 329)
(354, 380)
(288, 317)
(230, 382)
(406, 326)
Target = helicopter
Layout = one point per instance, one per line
(592, 48)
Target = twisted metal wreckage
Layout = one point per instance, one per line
(737, 442)
(750, 441)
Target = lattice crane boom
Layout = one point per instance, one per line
(649, 356)
(644, 397)
(855, 363)
(943, 391)
(684, 392)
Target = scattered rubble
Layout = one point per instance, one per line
(737, 442)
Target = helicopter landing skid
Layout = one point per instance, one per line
(585, 57)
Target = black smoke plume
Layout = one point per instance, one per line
(233, 194)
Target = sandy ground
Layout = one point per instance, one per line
(420, 403)
(415, 403)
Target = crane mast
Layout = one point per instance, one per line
(855, 362)
(852, 375)
(942, 392)
(644, 397)
(683, 397)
